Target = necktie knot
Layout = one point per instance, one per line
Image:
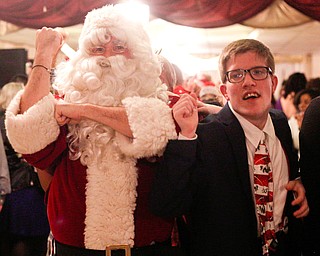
(263, 140)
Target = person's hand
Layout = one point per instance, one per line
(185, 114)
(48, 44)
(207, 108)
(2, 199)
(299, 116)
(67, 113)
(300, 198)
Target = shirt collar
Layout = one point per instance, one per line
(253, 133)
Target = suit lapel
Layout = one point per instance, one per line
(280, 131)
(236, 138)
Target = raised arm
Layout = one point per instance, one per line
(48, 43)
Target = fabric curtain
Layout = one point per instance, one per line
(193, 13)
(310, 8)
(278, 15)
(206, 13)
(50, 13)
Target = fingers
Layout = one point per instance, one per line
(172, 94)
(185, 114)
(301, 201)
(62, 120)
(189, 100)
(185, 107)
(67, 113)
(200, 104)
(303, 211)
(50, 38)
(59, 115)
(300, 198)
(62, 33)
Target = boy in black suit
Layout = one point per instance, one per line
(208, 173)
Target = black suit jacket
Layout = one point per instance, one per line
(208, 180)
(310, 172)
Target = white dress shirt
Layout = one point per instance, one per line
(279, 164)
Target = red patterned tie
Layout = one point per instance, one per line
(263, 189)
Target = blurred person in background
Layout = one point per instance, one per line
(5, 187)
(20, 78)
(179, 74)
(295, 83)
(314, 83)
(301, 102)
(276, 103)
(211, 95)
(189, 86)
(168, 73)
(24, 225)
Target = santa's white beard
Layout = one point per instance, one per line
(104, 82)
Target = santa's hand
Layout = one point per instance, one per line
(186, 114)
(48, 43)
(67, 113)
(60, 118)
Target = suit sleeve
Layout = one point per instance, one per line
(171, 193)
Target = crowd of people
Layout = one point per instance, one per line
(295, 96)
(117, 153)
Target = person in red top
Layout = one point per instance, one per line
(101, 139)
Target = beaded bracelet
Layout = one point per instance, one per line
(50, 71)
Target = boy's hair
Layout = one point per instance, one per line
(243, 46)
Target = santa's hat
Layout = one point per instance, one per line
(113, 20)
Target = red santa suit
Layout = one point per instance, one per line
(100, 198)
(85, 201)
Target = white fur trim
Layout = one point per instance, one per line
(110, 201)
(152, 126)
(34, 129)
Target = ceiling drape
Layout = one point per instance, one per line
(50, 13)
(193, 13)
(206, 13)
(310, 8)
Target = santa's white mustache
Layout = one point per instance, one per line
(119, 65)
(104, 62)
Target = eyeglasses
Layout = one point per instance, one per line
(118, 47)
(256, 73)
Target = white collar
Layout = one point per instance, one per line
(253, 133)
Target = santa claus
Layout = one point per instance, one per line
(114, 115)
